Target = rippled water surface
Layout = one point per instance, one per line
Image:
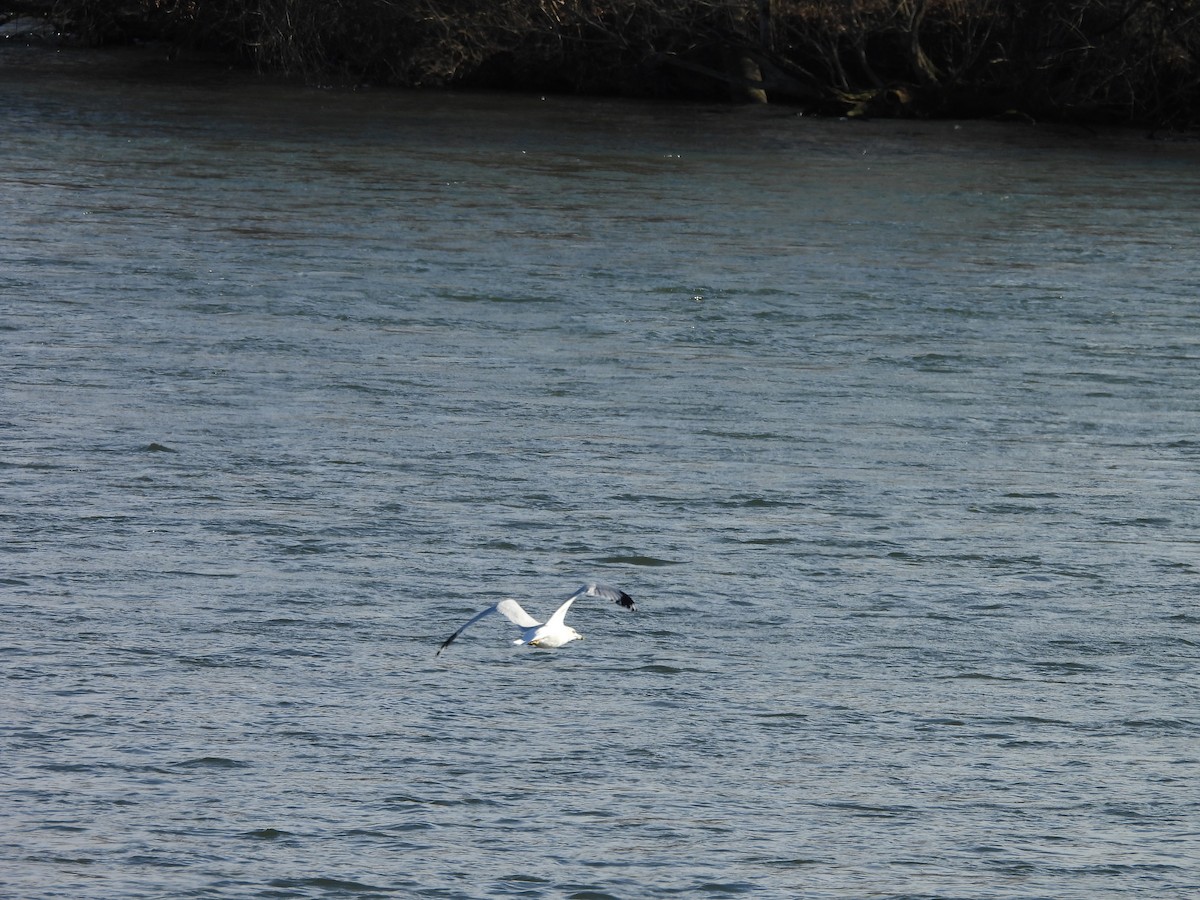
(889, 427)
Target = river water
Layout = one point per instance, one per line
(890, 428)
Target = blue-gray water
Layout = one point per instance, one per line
(890, 428)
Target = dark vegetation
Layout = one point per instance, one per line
(1121, 61)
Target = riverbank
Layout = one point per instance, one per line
(1129, 62)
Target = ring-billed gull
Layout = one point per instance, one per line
(555, 632)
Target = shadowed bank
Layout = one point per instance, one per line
(1111, 61)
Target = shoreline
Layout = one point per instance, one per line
(894, 75)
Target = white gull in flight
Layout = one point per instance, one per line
(555, 632)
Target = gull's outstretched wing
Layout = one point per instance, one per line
(592, 589)
(605, 592)
(510, 609)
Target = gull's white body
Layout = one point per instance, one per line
(555, 632)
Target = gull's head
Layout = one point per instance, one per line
(575, 635)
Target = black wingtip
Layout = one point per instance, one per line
(626, 601)
(446, 643)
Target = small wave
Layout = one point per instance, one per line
(792, 863)
(783, 715)
(727, 887)
(304, 548)
(388, 831)
(332, 885)
(639, 561)
(1185, 618)
(983, 676)
(1165, 726)
(212, 661)
(213, 762)
(1066, 667)
(267, 834)
(869, 811)
(187, 573)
